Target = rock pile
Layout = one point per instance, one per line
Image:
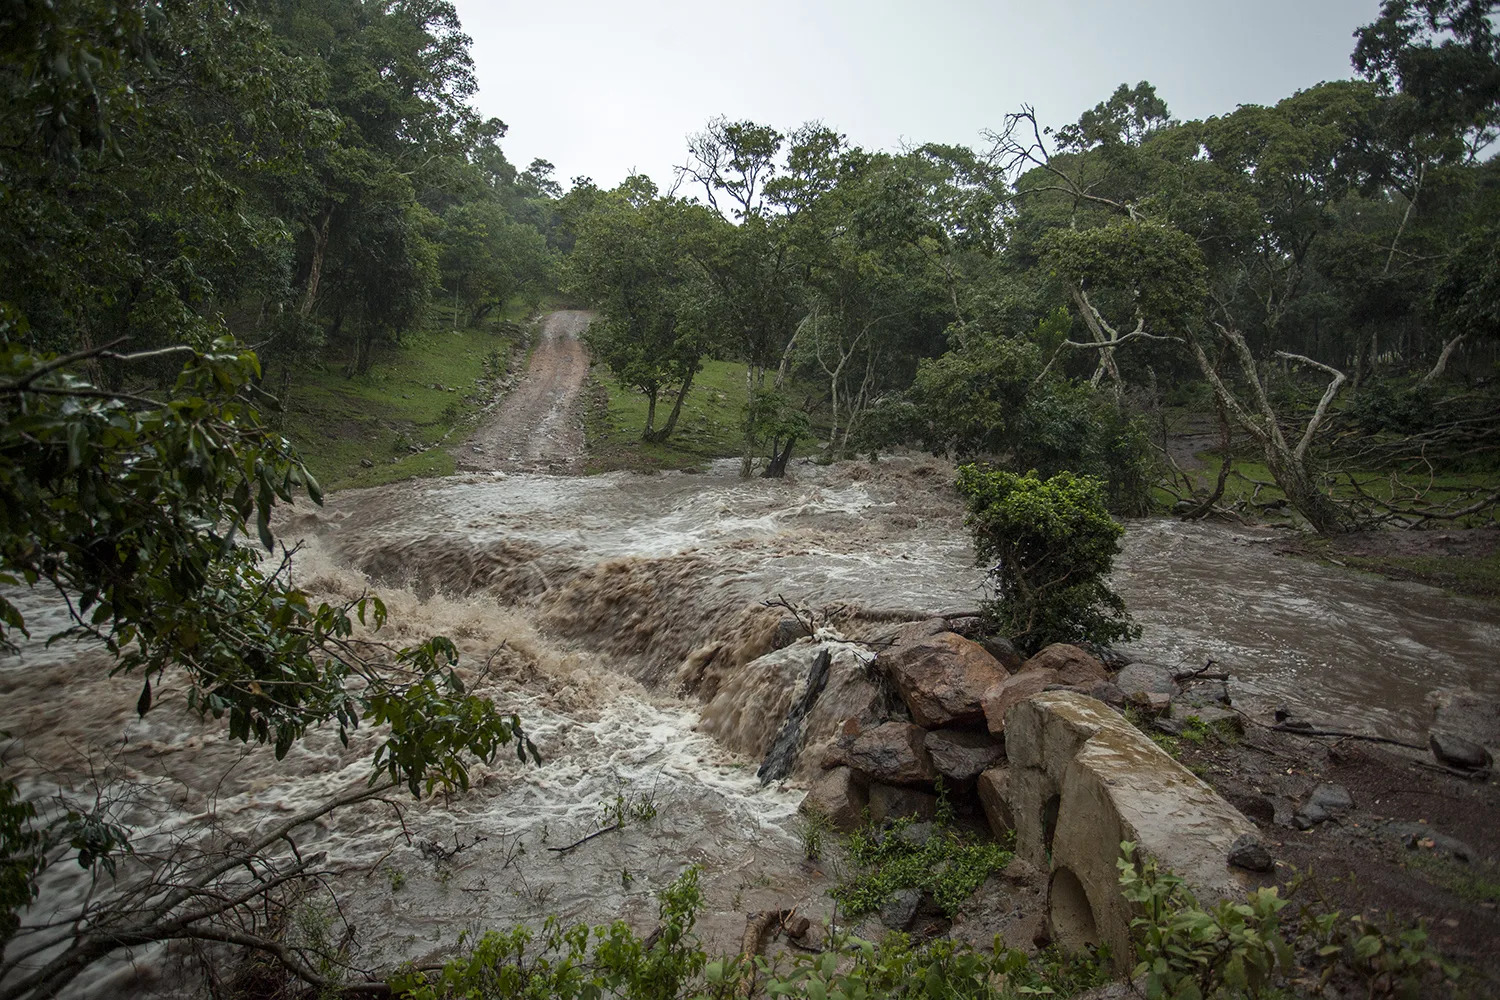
(1035, 747)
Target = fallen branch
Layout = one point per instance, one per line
(579, 843)
(1297, 731)
(1199, 674)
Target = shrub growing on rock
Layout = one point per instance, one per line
(1051, 543)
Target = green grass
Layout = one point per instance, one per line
(403, 402)
(1475, 576)
(1472, 881)
(946, 865)
(710, 425)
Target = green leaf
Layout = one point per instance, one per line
(143, 703)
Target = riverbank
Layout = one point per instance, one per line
(1463, 561)
(1419, 845)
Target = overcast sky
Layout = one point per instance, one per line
(600, 87)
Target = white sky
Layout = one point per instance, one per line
(601, 87)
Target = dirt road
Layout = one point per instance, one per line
(539, 426)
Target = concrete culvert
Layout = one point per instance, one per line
(1069, 911)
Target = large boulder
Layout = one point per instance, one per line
(1073, 666)
(1006, 905)
(894, 754)
(961, 754)
(1455, 751)
(750, 705)
(1001, 648)
(1010, 692)
(838, 796)
(909, 632)
(942, 678)
(1467, 715)
(1147, 678)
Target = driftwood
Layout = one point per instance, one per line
(1299, 731)
(584, 840)
(759, 927)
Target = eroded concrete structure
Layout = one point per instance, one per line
(1081, 780)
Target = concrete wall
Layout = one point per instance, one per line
(1082, 779)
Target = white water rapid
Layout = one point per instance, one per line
(585, 596)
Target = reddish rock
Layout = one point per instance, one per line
(836, 751)
(942, 678)
(961, 754)
(888, 802)
(1012, 691)
(837, 795)
(1072, 665)
(913, 632)
(894, 754)
(994, 791)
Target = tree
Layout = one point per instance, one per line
(130, 507)
(630, 259)
(1051, 543)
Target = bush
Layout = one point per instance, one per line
(1251, 948)
(992, 398)
(945, 866)
(1052, 544)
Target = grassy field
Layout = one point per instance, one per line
(711, 425)
(398, 415)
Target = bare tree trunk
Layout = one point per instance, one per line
(315, 270)
(671, 424)
(747, 458)
(1442, 361)
(649, 434)
(1289, 465)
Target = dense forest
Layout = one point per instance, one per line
(1312, 270)
(205, 205)
(312, 180)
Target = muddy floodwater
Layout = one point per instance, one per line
(576, 602)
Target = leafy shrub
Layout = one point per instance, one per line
(1188, 951)
(504, 964)
(1383, 405)
(1052, 544)
(945, 865)
(991, 399)
(941, 969)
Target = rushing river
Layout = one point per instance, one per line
(581, 598)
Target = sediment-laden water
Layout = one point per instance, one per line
(585, 597)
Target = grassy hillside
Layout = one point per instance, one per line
(711, 425)
(416, 399)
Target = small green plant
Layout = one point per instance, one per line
(1195, 730)
(626, 808)
(574, 963)
(1051, 545)
(813, 829)
(945, 865)
(1187, 951)
(939, 969)
(396, 877)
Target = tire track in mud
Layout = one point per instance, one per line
(539, 426)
